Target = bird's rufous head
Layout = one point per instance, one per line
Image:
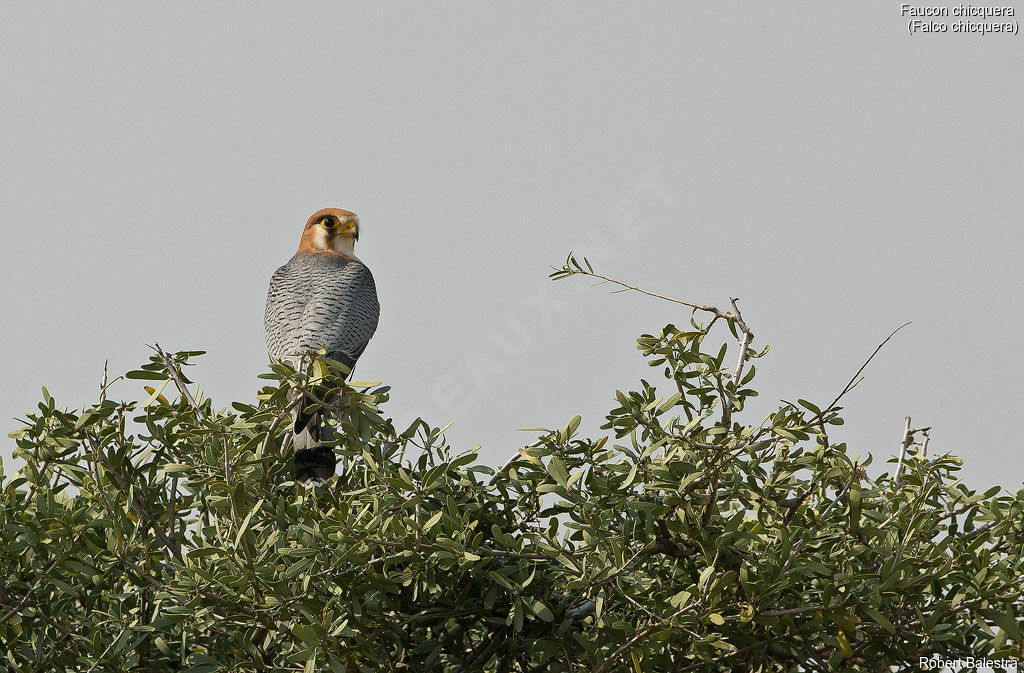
(330, 230)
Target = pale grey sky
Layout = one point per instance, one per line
(838, 175)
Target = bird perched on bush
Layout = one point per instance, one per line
(324, 297)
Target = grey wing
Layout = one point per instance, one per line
(343, 311)
(290, 291)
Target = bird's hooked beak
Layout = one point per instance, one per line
(336, 228)
(342, 235)
(350, 229)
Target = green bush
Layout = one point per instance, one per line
(162, 534)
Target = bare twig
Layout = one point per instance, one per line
(508, 464)
(748, 336)
(726, 407)
(733, 317)
(103, 382)
(904, 444)
(853, 381)
(697, 307)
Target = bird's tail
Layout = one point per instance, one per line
(312, 459)
(311, 431)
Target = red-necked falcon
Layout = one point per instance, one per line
(324, 297)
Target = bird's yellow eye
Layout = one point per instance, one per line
(329, 222)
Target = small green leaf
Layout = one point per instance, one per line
(432, 521)
(808, 405)
(556, 468)
(145, 375)
(541, 611)
(844, 644)
(705, 575)
(571, 427)
(879, 618)
(155, 394)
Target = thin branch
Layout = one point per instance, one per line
(169, 540)
(748, 336)
(171, 507)
(798, 611)
(629, 565)
(32, 488)
(853, 381)
(695, 607)
(482, 653)
(272, 430)
(107, 651)
(508, 463)
(924, 493)
(175, 375)
(52, 652)
(904, 444)
(103, 382)
(726, 407)
(734, 317)
(641, 635)
(697, 307)
(28, 594)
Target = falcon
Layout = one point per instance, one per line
(324, 297)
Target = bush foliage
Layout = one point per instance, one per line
(163, 534)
